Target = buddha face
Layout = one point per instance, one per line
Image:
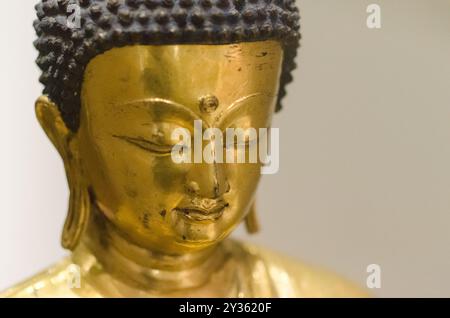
(133, 98)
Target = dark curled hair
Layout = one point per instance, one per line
(64, 52)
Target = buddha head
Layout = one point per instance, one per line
(120, 76)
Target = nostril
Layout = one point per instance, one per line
(192, 187)
(220, 189)
(227, 187)
(216, 190)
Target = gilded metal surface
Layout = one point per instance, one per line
(66, 46)
(245, 271)
(141, 225)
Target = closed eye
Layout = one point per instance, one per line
(161, 149)
(247, 137)
(245, 143)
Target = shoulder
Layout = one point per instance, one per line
(291, 278)
(56, 281)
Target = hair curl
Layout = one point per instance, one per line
(64, 52)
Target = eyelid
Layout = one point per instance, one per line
(248, 141)
(147, 145)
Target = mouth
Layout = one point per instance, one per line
(200, 214)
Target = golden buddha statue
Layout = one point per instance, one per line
(139, 224)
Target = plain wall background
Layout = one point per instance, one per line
(365, 149)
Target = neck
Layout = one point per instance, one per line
(143, 268)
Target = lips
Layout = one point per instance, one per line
(199, 214)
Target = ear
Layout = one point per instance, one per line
(51, 121)
(251, 220)
(79, 204)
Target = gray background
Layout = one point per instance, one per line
(365, 149)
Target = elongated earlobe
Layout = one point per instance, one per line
(251, 221)
(78, 214)
(66, 143)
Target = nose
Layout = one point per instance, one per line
(207, 180)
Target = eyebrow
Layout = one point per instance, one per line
(152, 103)
(190, 115)
(223, 114)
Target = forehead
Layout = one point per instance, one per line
(184, 74)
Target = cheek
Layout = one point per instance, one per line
(129, 176)
(243, 179)
(168, 176)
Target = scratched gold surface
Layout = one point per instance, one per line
(140, 225)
